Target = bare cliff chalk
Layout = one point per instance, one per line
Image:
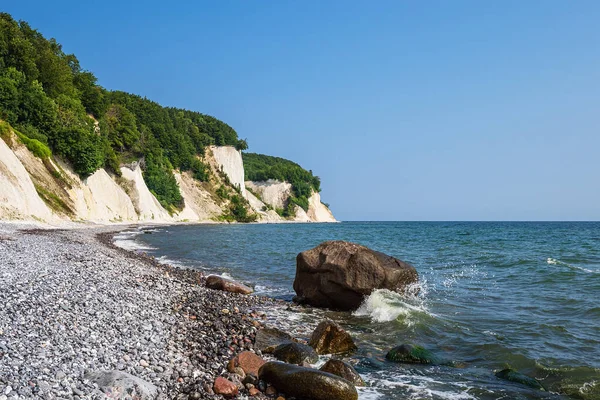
(146, 205)
(272, 192)
(18, 197)
(276, 194)
(230, 160)
(199, 203)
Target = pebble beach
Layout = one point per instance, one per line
(74, 305)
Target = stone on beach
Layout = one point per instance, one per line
(225, 387)
(249, 362)
(121, 385)
(307, 383)
(267, 339)
(343, 370)
(73, 302)
(331, 338)
(338, 275)
(217, 282)
(296, 353)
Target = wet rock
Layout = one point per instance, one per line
(330, 338)
(219, 283)
(338, 274)
(343, 370)
(225, 387)
(410, 354)
(117, 384)
(296, 353)
(267, 339)
(307, 383)
(512, 375)
(247, 361)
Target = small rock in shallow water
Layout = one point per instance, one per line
(331, 338)
(267, 339)
(409, 354)
(295, 353)
(512, 375)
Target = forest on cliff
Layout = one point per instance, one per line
(57, 107)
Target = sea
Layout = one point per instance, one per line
(492, 295)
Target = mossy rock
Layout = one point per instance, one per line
(512, 375)
(410, 354)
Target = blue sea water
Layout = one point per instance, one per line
(492, 295)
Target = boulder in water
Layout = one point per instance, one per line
(512, 375)
(219, 283)
(338, 274)
(295, 353)
(330, 338)
(343, 370)
(307, 383)
(409, 354)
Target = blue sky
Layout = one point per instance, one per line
(428, 110)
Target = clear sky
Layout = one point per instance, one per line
(407, 110)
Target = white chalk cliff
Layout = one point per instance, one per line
(276, 194)
(229, 160)
(49, 191)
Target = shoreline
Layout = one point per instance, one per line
(76, 303)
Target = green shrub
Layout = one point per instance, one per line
(38, 148)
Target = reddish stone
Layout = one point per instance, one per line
(248, 361)
(271, 391)
(224, 387)
(253, 391)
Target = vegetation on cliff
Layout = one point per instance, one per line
(49, 99)
(260, 167)
(55, 107)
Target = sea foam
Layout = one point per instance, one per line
(383, 305)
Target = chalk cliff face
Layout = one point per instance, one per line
(49, 191)
(145, 204)
(272, 192)
(317, 211)
(276, 194)
(18, 197)
(230, 161)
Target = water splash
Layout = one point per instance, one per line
(383, 305)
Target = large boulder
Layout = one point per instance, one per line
(295, 353)
(121, 385)
(217, 282)
(338, 274)
(306, 383)
(344, 370)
